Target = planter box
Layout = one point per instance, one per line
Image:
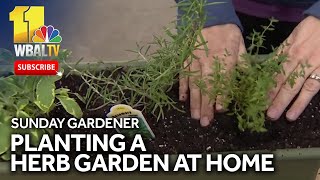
(294, 163)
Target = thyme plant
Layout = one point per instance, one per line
(245, 89)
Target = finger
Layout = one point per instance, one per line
(286, 94)
(285, 45)
(183, 83)
(195, 95)
(310, 88)
(219, 104)
(206, 103)
(297, 52)
(233, 57)
(288, 66)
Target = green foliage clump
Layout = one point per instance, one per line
(30, 97)
(147, 86)
(245, 89)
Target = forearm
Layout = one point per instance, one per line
(218, 14)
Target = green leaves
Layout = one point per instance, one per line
(30, 97)
(22, 114)
(8, 88)
(70, 105)
(6, 156)
(247, 86)
(36, 135)
(5, 116)
(5, 134)
(45, 94)
(30, 83)
(6, 61)
(22, 103)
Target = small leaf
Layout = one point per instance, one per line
(79, 97)
(22, 114)
(71, 106)
(36, 135)
(62, 91)
(22, 103)
(45, 94)
(6, 156)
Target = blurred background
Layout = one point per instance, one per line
(105, 29)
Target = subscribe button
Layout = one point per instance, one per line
(36, 67)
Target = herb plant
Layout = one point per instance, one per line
(245, 89)
(146, 87)
(30, 97)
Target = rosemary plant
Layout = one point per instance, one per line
(147, 86)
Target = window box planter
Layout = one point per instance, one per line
(177, 133)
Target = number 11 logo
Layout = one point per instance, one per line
(26, 20)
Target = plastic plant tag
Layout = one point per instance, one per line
(125, 111)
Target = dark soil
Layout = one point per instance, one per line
(178, 133)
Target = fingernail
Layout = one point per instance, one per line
(272, 114)
(220, 108)
(195, 114)
(205, 121)
(291, 116)
(271, 95)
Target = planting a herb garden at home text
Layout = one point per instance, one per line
(217, 87)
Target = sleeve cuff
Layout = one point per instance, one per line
(218, 14)
(314, 10)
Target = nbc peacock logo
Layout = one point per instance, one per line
(45, 43)
(47, 34)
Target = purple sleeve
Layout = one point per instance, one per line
(314, 10)
(218, 14)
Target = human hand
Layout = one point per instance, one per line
(219, 39)
(302, 48)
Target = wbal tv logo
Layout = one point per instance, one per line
(45, 43)
(32, 39)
